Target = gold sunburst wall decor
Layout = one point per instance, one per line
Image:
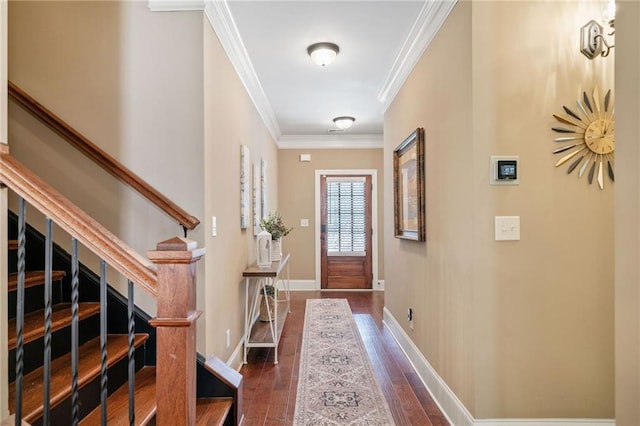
(589, 141)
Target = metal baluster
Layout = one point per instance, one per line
(132, 366)
(75, 403)
(103, 343)
(20, 310)
(48, 290)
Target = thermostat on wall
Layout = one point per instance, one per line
(504, 170)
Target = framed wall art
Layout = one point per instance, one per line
(408, 188)
(263, 188)
(245, 185)
(257, 213)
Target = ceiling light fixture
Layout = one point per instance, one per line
(323, 53)
(344, 122)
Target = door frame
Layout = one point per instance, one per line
(374, 218)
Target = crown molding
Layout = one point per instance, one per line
(430, 19)
(330, 141)
(219, 16)
(220, 19)
(175, 5)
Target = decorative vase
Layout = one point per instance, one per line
(276, 250)
(264, 314)
(264, 249)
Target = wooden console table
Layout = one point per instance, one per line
(259, 334)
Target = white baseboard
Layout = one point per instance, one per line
(452, 408)
(235, 361)
(301, 285)
(311, 285)
(544, 422)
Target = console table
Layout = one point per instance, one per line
(259, 334)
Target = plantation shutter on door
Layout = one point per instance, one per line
(346, 216)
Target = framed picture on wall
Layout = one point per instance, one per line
(408, 188)
(245, 185)
(257, 212)
(263, 188)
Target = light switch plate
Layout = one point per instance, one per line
(304, 223)
(214, 226)
(507, 228)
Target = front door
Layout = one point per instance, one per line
(345, 232)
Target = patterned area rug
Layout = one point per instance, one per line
(336, 384)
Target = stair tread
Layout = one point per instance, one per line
(118, 402)
(88, 369)
(13, 244)
(33, 278)
(60, 318)
(212, 411)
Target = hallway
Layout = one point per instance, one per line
(270, 390)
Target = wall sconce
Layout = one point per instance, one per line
(593, 41)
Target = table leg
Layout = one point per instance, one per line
(246, 318)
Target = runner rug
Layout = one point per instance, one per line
(336, 383)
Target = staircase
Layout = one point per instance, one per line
(110, 363)
(214, 377)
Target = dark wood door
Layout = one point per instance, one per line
(345, 232)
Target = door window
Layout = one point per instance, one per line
(346, 216)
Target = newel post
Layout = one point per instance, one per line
(176, 331)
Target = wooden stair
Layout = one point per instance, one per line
(60, 318)
(210, 411)
(118, 402)
(33, 279)
(88, 369)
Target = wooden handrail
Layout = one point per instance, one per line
(100, 157)
(76, 222)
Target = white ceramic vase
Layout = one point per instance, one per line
(276, 250)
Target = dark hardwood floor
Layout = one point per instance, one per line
(270, 390)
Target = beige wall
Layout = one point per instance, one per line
(231, 120)
(627, 215)
(435, 278)
(296, 182)
(516, 329)
(157, 92)
(110, 70)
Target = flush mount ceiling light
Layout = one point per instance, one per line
(344, 122)
(323, 53)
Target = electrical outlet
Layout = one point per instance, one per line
(228, 338)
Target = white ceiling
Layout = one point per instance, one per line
(305, 97)
(380, 42)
